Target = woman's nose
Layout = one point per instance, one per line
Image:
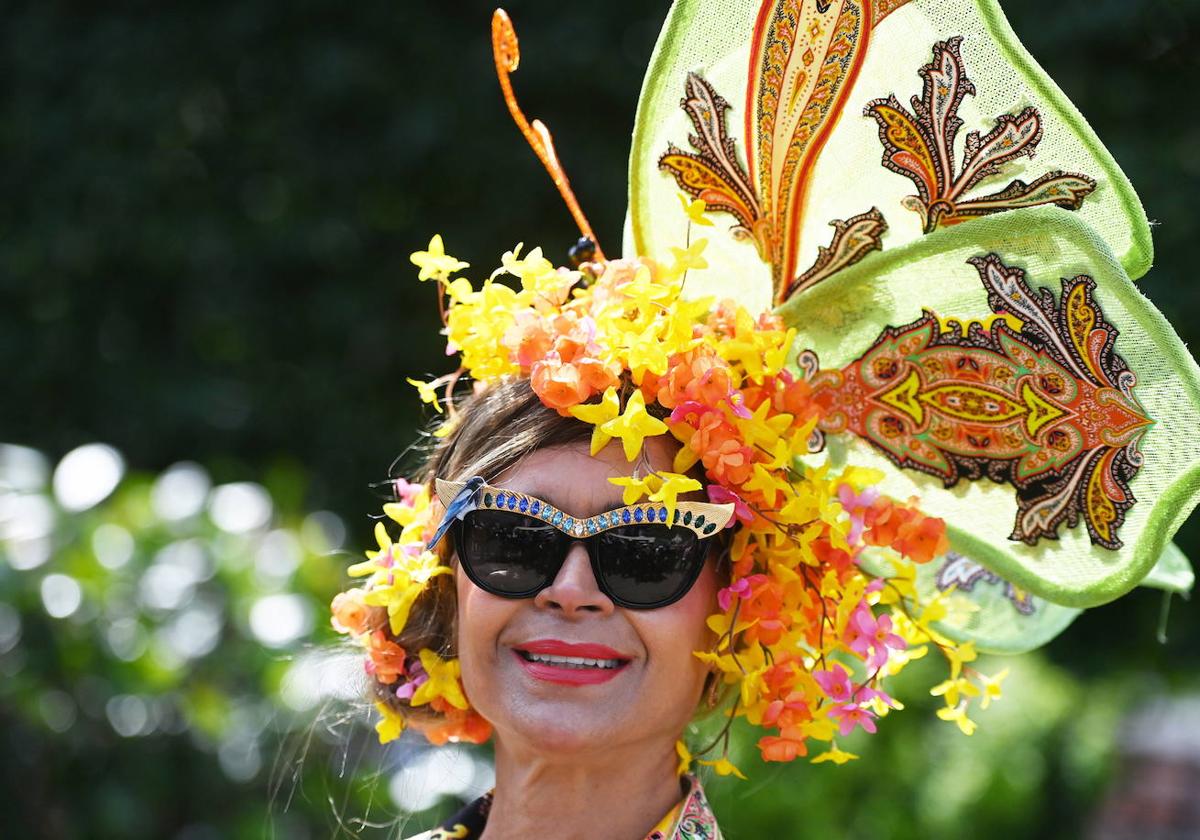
(574, 590)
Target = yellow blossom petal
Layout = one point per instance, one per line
(685, 757)
(598, 414)
(724, 767)
(837, 756)
(695, 210)
(434, 262)
(443, 681)
(390, 725)
(634, 426)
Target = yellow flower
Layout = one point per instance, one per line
(685, 757)
(598, 414)
(688, 258)
(958, 714)
(959, 654)
(724, 767)
(428, 393)
(443, 681)
(645, 351)
(636, 487)
(953, 689)
(695, 210)
(837, 756)
(634, 426)
(434, 262)
(673, 484)
(991, 688)
(391, 724)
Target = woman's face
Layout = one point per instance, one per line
(649, 698)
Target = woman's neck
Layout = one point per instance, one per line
(618, 793)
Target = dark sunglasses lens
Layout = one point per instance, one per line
(649, 565)
(507, 553)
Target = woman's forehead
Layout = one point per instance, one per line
(577, 481)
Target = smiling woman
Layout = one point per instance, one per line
(587, 699)
(662, 495)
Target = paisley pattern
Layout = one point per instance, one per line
(1048, 408)
(714, 174)
(963, 573)
(805, 55)
(920, 146)
(853, 239)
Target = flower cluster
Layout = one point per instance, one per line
(805, 636)
(376, 614)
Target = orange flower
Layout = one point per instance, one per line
(597, 376)
(765, 608)
(385, 658)
(786, 746)
(789, 712)
(558, 385)
(351, 615)
(457, 726)
(923, 539)
(916, 536)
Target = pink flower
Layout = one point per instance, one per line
(849, 716)
(855, 504)
(740, 588)
(866, 694)
(405, 491)
(719, 495)
(835, 682)
(871, 637)
(689, 409)
(737, 404)
(416, 678)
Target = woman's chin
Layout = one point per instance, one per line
(566, 734)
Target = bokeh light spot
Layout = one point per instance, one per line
(87, 475)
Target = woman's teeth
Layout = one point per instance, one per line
(570, 661)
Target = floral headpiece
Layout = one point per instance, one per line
(964, 481)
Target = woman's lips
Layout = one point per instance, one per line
(570, 663)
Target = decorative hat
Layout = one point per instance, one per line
(907, 349)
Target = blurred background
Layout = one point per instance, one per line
(207, 315)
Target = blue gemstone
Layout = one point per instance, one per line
(625, 516)
(524, 505)
(662, 514)
(512, 502)
(547, 513)
(637, 515)
(499, 500)
(558, 517)
(569, 524)
(590, 525)
(535, 507)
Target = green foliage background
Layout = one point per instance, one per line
(207, 212)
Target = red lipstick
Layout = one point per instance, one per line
(566, 673)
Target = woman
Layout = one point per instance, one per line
(556, 512)
(576, 747)
(569, 596)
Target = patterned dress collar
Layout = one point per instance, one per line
(691, 819)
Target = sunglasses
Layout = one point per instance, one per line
(513, 545)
